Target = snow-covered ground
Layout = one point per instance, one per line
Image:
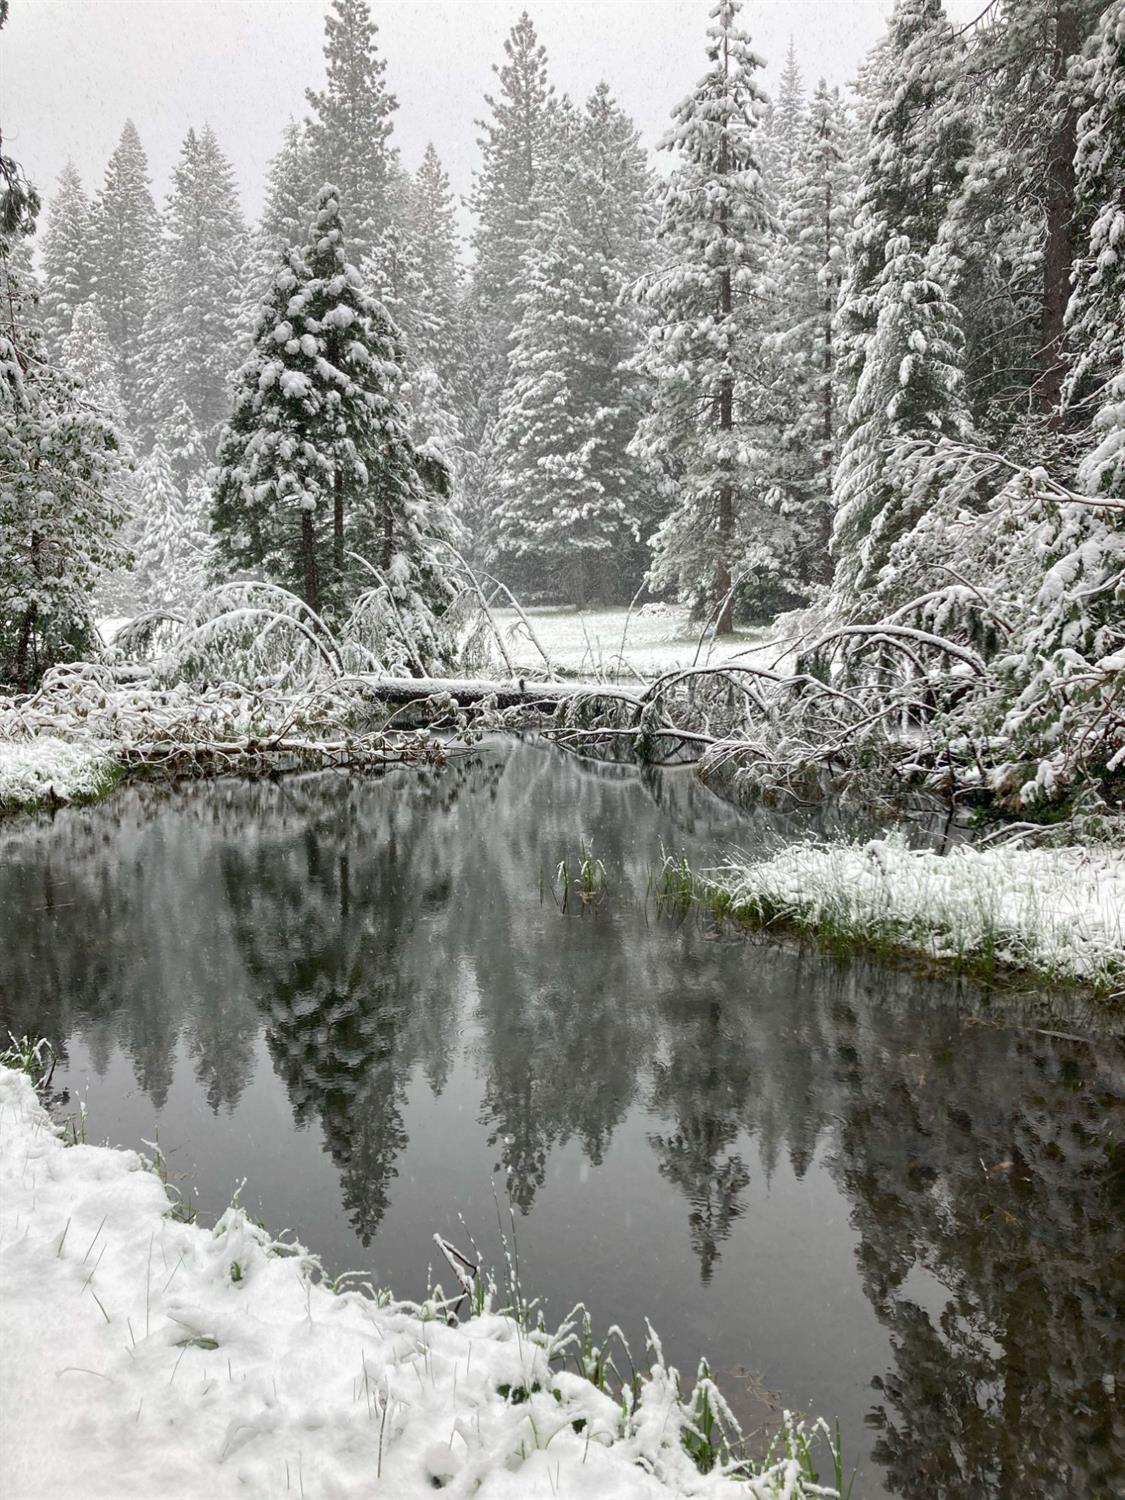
(1057, 912)
(45, 769)
(144, 1357)
(605, 642)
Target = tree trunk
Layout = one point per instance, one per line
(725, 624)
(25, 666)
(338, 536)
(1058, 248)
(388, 538)
(308, 559)
(27, 656)
(725, 601)
(829, 309)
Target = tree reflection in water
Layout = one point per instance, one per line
(384, 933)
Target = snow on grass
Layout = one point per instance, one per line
(1056, 913)
(143, 1356)
(45, 769)
(608, 642)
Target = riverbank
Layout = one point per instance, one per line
(46, 771)
(1048, 914)
(145, 1356)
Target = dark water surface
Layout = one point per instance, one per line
(871, 1194)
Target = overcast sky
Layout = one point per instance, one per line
(72, 71)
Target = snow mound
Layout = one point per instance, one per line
(43, 769)
(142, 1356)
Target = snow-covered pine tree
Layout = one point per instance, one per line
(317, 464)
(704, 349)
(351, 124)
(126, 238)
(1005, 249)
(806, 273)
(85, 353)
(17, 270)
(67, 266)
(1066, 662)
(509, 191)
(61, 475)
(418, 310)
(290, 198)
(1095, 383)
(432, 221)
(913, 165)
(899, 336)
(911, 389)
(784, 128)
(570, 498)
(1031, 115)
(508, 199)
(168, 549)
(191, 337)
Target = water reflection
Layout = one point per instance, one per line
(387, 935)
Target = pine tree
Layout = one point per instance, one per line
(1005, 250)
(68, 271)
(1095, 315)
(1031, 118)
(192, 332)
(433, 231)
(317, 464)
(19, 198)
(784, 128)
(125, 247)
(807, 268)
(508, 199)
(570, 498)
(911, 389)
(1062, 670)
(704, 349)
(290, 198)
(396, 278)
(351, 126)
(900, 339)
(85, 354)
(60, 475)
(508, 194)
(168, 549)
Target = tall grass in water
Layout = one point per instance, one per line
(582, 884)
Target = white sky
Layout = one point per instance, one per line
(72, 71)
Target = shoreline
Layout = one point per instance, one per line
(218, 1362)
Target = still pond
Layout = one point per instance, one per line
(860, 1193)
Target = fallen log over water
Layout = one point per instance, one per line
(252, 754)
(469, 691)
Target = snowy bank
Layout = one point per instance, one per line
(143, 1356)
(50, 770)
(1056, 913)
